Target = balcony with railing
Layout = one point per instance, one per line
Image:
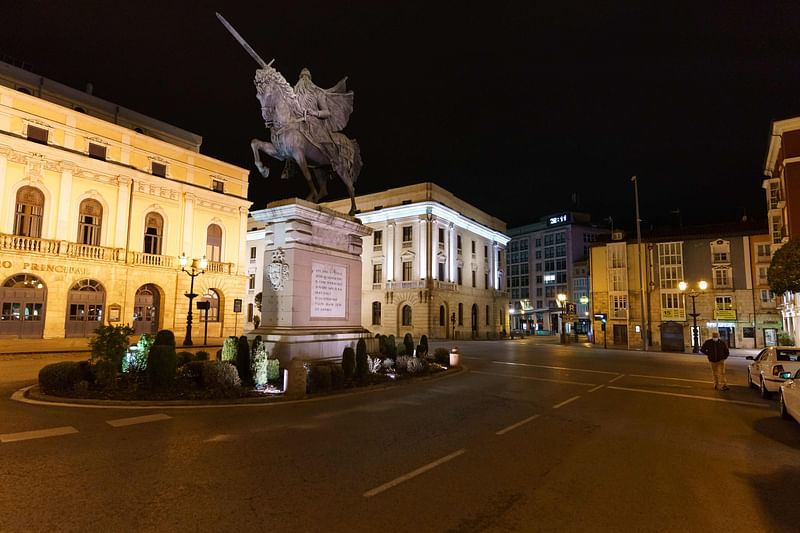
(140, 258)
(21, 243)
(217, 267)
(414, 284)
(445, 285)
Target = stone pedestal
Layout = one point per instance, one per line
(311, 296)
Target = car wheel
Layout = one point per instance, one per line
(763, 389)
(782, 406)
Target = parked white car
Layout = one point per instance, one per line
(766, 369)
(789, 399)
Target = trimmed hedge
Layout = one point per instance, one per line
(60, 377)
(162, 363)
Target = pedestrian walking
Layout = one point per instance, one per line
(717, 352)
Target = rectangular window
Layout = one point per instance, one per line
(722, 277)
(485, 280)
(767, 296)
(249, 312)
(97, 151)
(158, 169)
(670, 264)
(723, 303)
(407, 270)
(619, 306)
(459, 276)
(672, 306)
(473, 278)
(486, 252)
(473, 247)
(37, 135)
(252, 254)
(763, 251)
(407, 236)
(377, 239)
(458, 243)
(216, 185)
(251, 282)
(377, 273)
(762, 275)
(441, 275)
(548, 240)
(441, 236)
(376, 313)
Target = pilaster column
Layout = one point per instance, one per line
(243, 251)
(4, 206)
(188, 221)
(124, 184)
(63, 227)
(434, 262)
(452, 256)
(423, 247)
(390, 229)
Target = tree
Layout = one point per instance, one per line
(784, 271)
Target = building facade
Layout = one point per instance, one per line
(736, 301)
(98, 204)
(546, 259)
(782, 188)
(434, 264)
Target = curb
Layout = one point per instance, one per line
(33, 396)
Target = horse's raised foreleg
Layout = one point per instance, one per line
(266, 147)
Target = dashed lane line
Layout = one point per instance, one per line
(531, 378)
(565, 402)
(518, 424)
(668, 378)
(691, 396)
(593, 389)
(413, 474)
(133, 420)
(37, 434)
(556, 367)
(616, 378)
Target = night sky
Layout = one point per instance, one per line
(519, 108)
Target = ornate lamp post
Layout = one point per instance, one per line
(197, 267)
(702, 285)
(562, 300)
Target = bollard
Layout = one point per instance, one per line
(296, 379)
(455, 357)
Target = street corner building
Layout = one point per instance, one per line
(98, 203)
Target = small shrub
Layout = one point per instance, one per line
(110, 343)
(229, 349)
(273, 369)
(391, 347)
(382, 344)
(185, 357)
(219, 376)
(59, 377)
(319, 378)
(402, 363)
(415, 365)
(337, 377)
(259, 365)
(105, 373)
(388, 364)
(423, 341)
(361, 346)
(201, 356)
(255, 345)
(218, 355)
(785, 339)
(161, 365)
(422, 351)
(164, 338)
(374, 364)
(362, 367)
(349, 359)
(194, 371)
(442, 356)
(135, 360)
(408, 342)
(243, 361)
(401, 350)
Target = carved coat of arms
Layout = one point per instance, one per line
(278, 270)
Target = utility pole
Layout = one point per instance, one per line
(641, 266)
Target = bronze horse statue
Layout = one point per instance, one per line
(305, 123)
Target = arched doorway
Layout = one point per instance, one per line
(22, 306)
(85, 304)
(146, 310)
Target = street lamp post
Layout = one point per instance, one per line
(197, 267)
(453, 321)
(562, 299)
(702, 285)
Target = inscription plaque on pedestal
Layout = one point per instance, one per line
(328, 290)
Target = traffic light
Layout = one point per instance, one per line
(602, 318)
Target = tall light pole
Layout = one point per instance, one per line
(645, 340)
(562, 299)
(702, 285)
(197, 267)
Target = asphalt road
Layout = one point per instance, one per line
(533, 437)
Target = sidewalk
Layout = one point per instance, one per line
(32, 347)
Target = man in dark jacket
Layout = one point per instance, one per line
(717, 352)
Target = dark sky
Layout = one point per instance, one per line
(512, 106)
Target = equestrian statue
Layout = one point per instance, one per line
(305, 123)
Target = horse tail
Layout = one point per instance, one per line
(357, 162)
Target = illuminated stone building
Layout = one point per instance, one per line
(434, 264)
(98, 202)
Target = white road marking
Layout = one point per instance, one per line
(535, 379)
(672, 379)
(692, 396)
(37, 434)
(555, 367)
(596, 388)
(565, 402)
(518, 424)
(616, 378)
(413, 474)
(120, 422)
(221, 438)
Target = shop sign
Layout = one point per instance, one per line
(41, 267)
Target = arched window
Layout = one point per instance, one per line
(442, 318)
(487, 315)
(29, 210)
(90, 218)
(212, 297)
(376, 313)
(406, 315)
(214, 243)
(153, 232)
(460, 314)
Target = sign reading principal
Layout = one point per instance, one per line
(328, 290)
